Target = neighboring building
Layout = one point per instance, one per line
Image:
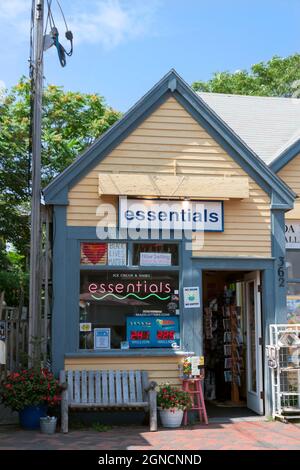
(147, 301)
(271, 128)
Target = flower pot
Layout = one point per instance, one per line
(48, 424)
(171, 418)
(30, 416)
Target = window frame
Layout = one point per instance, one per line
(132, 268)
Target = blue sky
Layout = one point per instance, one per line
(123, 47)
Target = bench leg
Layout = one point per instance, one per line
(153, 409)
(64, 412)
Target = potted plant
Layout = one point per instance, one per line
(187, 367)
(30, 392)
(172, 402)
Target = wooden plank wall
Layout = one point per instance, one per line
(161, 369)
(171, 138)
(290, 174)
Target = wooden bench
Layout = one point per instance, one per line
(102, 389)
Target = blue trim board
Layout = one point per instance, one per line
(60, 272)
(280, 272)
(130, 353)
(170, 84)
(285, 157)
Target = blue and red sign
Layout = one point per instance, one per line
(152, 331)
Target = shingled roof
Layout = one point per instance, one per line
(268, 125)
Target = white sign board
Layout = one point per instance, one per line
(155, 259)
(292, 235)
(200, 216)
(102, 338)
(191, 297)
(195, 362)
(116, 255)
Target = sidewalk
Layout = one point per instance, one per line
(254, 435)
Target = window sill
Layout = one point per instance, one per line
(129, 353)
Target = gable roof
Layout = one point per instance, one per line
(287, 155)
(172, 85)
(268, 125)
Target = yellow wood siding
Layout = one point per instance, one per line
(161, 369)
(171, 139)
(290, 174)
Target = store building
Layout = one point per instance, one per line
(169, 239)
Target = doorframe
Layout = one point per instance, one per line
(255, 277)
(269, 308)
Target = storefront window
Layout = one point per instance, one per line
(99, 254)
(293, 288)
(293, 263)
(124, 310)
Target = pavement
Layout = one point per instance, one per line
(243, 435)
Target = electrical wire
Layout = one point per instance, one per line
(61, 51)
(62, 13)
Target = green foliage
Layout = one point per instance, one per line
(13, 275)
(30, 387)
(101, 427)
(71, 122)
(171, 397)
(276, 77)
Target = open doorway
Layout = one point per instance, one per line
(232, 343)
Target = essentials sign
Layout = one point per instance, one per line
(175, 215)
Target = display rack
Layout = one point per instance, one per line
(283, 354)
(232, 349)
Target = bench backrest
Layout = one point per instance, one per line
(105, 387)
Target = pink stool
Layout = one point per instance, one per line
(197, 397)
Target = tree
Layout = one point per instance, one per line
(276, 77)
(71, 122)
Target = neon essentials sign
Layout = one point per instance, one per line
(138, 289)
(176, 215)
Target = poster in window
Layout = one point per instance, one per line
(117, 254)
(152, 332)
(94, 254)
(155, 259)
(191, 297)
(293, 308)
(102, 338)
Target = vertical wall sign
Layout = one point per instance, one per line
(191, 297)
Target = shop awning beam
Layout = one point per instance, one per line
(171, 186)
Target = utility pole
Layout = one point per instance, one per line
(34, 345)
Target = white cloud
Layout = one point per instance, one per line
(15, 20)
(112, 22)
(10, 9)
(104, 22)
